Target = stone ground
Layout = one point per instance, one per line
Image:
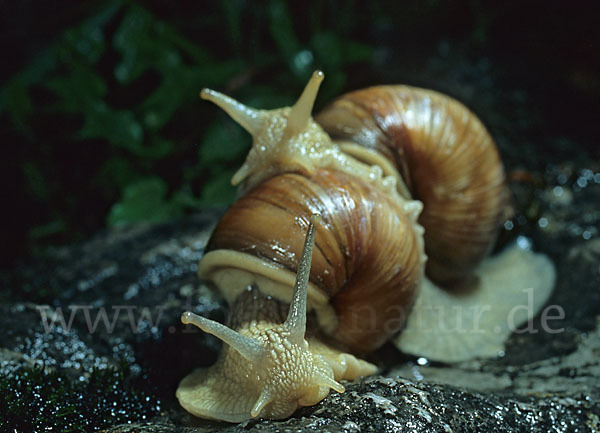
(544, 382)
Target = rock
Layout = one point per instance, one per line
(110, 334)
(384, 404)
(144, 277)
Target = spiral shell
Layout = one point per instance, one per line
(360, 231)
(446, 158)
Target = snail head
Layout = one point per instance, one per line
(284, 139)
(268, 368)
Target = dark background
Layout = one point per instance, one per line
(101, 124)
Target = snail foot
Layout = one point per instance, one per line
(452, 327)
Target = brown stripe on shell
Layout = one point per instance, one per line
(447, 159)
(366, 255)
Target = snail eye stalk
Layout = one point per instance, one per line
(296, 319)
(251, 349)
(302, 109)
(248, 118)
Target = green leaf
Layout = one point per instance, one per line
(144, 200)
(82, 42)
(263, 97)
(148, 43)
(140, 48)
(223, 142)
(353, 52)
(218, 189)
(41, 65)
(185, 199)
(115, 173)
(119, 127)
(232, 11)
(333, 53)
(79, 91)
(328, 49)
(213, 74)
(16, 101)
(49, 229)
(181, 86)
(195, 52)
(282, 29)
(157, 147)
(336, 82)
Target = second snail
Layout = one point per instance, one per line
(399, 193)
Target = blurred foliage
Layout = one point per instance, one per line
(114, 101)
(104, 124)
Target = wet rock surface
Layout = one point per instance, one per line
(113, 305)
(108, 328)
(384, 404)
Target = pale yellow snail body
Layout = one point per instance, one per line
(411, 173)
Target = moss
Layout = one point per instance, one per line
(34, 400)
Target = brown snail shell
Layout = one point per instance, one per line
(447, 160)
(354, 242)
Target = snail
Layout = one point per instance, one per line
(400, 192)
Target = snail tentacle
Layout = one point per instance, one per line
(300, 113)
(296, 320)
(327, 381)
(282, 372)
(249, 348)
(264, 399)
(248, 118)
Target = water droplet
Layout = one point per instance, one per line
(562, 179)
(558, 191)
(121, 73)
(524, 243)
(587, 174)
(302, 60)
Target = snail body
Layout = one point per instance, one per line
(409, 173)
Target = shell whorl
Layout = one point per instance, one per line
(446, 158)
(368, 256)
